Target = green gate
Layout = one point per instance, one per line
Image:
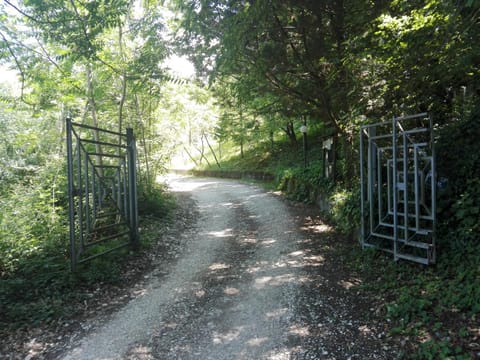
(102, 191)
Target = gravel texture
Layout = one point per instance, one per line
(257, 279)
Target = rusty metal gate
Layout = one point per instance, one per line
(398, 185)
(102, 191)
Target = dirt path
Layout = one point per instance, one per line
(258, 280)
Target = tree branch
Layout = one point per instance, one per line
(20, 69)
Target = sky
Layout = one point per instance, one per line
(180, 66)
(9, 78)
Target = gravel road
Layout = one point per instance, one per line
(256, 280)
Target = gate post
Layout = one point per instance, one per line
(395, 188)
(132, 188)
(71, 201)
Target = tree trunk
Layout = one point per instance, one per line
(211, 149)
(290, 132)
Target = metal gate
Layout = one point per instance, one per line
(398, 185)
(102, 191)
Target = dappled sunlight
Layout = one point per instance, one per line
(257, 341)
(218, 266)
(317, 229)
(268, 242)
(259, 266)
(278, 280)
(231, 291)
(297, 253)
(185, 184)
(316, 226)
(229, 336)
(276, 314)
(231, 205)
(257, 196)
(34, 348)
(200, 293)
(140, 292)
(348, 284)
(314, 260)
(299, 330)
(222, 233)
(141, 353)
(248, 241)
(295, 259)
(280, 354)
(364, 330)
(170, 325)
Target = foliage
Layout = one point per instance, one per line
(459, 200)
(36, 285)
(155, 202)
(345, 210)
(304, 184)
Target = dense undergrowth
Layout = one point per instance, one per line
(436, 308)
(36, 284)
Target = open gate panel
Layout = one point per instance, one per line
(397, 175)
(102, 191)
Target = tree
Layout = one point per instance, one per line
(292, 51)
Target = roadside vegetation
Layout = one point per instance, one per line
(435, 309)
(263, 69)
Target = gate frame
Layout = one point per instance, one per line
(397, 188)
(130, 208)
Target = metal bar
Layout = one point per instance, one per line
(100, 189)
(80, 195)
(375, 246)
(379, 183)
(416, 186)
(376, 125)
(105, 155)
(405, 182)
(401, 118)
(84, 126)
(362, 188)
(389, 186)
(119, 188)
(379, 137)
(413, 258)
(103, 253)
(132, 187)
(382, 236)
(411, 243)
(94, 195)
(125, 207)
(433, 184)
(420, 231)
(395, 190)
(104, 143)
(110, 226)
(107, 167)
(422, 217)
(87, 196)
(416, 131)
(71, 203)
(106, 215)
(370, 175)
